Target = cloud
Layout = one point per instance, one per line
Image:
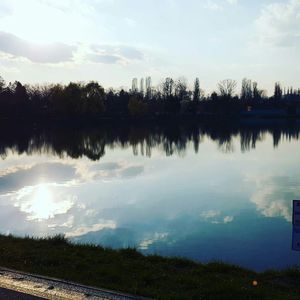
(104, 58)
(215, 217)
(273, 195)
(108, 166)
(130, 52)
(279, 24)
(210, 214)
(14, 179)
(41, 203)
(37, 53)
(228, 219)
(93, 228)
(115, 170)
(132, 171)
(109, 54)
(157, 236)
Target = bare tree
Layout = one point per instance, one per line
(227, 87)
(181, 88)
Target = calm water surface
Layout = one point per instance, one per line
(222, 194)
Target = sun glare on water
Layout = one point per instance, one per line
(42, 205)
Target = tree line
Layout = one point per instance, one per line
(170, 139)
(171, 97)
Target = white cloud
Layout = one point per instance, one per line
(110, 54)
(15, 178)
(39, 203)
(144, 245)
(228, 219)
(273, 195)
(109, 171)
(95, 227)
(215, 217)
(268, 206)
(210, 214)
(39, 53)
(69, 223)
(279, 24)
(14, 48)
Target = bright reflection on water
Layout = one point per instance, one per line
(39, 204)
(216, 199)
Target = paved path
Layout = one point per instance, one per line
(51, 288)
(12, 295)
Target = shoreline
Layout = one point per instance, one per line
(128, 271)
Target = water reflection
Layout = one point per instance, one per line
(17, 176)
(39, 202)
(206, 193)
(171, 139)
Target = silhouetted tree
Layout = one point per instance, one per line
(19, 99)
(227, 88)
(277, 91)
(84, 100)
(57, 101)
(246, 92)
(181, 89)
(168, 87)
(214, 96)
(196, 93)
(94, 96)
(136, 107)
(2, 84)
(257, 94)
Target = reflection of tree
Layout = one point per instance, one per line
(171, 139)
(249, 139)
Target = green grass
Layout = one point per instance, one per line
(129, 271)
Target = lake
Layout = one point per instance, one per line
(199, 191)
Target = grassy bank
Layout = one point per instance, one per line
(129, 271)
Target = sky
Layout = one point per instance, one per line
(112, 41)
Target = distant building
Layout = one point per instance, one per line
(142, 86)
(148, 87)
(134, 87)
(145, 87)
